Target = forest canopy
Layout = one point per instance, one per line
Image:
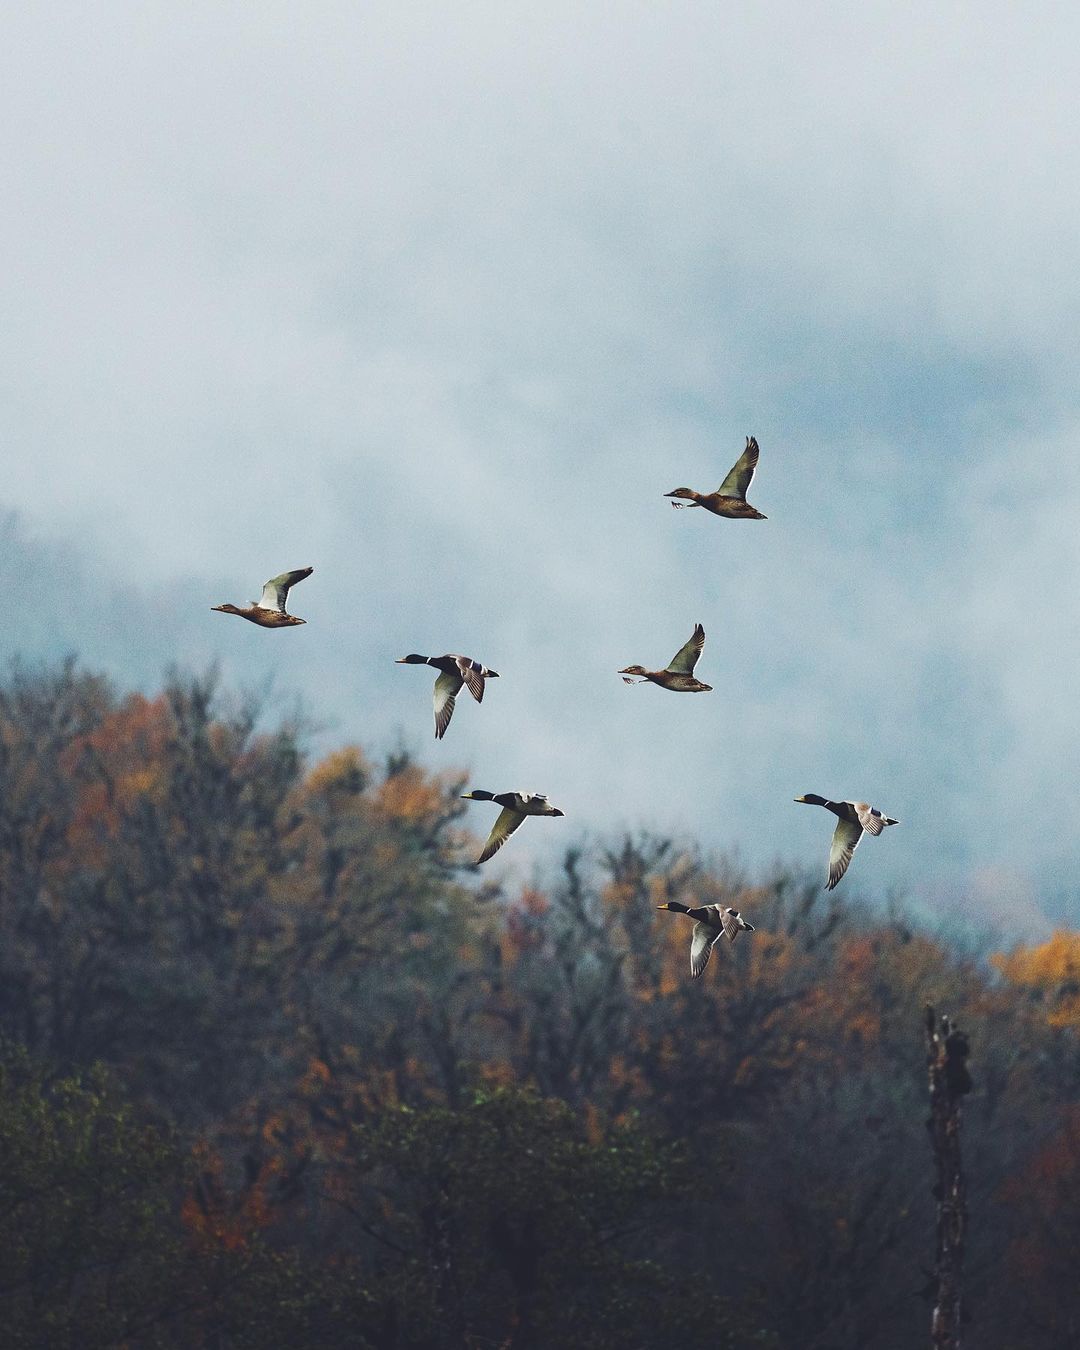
(280, 1067)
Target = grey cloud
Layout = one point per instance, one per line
(443, 302)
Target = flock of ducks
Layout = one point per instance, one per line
(711, 922)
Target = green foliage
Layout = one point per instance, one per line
(93, 1252)
(84, 1198)
(504, 1222)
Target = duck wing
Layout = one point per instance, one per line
(738, 480)
(872, 821)
(471, 677)
(703, 939)
(276, 591)
(729, 924)
(506, 823)
(446, 689)
(845, 840)
(686, 658)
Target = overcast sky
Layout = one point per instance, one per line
(441, 300)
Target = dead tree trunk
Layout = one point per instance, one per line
(946, 1051)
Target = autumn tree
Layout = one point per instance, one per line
(294, 971)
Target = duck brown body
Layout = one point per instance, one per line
(269, 610)
(265, 618)
(669, 679)
(678, 675)
(732, 508)
(729, 499)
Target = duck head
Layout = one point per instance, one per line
(811, 799)
(688, 493)
(411, 660)
(634, 670)
(226, 609)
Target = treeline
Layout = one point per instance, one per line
(282, 1068)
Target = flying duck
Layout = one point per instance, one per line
(456, 671)
(269, 610)
(712, 922)
(730, 498)
(679, 672)
(853, 819)
(515, 807)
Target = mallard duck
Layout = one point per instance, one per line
(730, 498)
(456, 671)
(269, 610)
(853, 819)
(679, 673)
(712, 922)
(515, 807)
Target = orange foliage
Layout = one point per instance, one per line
(317, 1075)
(1046, 1198)
(497, 1073)
(524, 929)
(214, 1216)
(127, 750)
(411, 795)
(344, 770)
(622, 1075)
(857, 967)
(594, 1125)
(1050, 971)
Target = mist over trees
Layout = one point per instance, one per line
(280, 1067)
